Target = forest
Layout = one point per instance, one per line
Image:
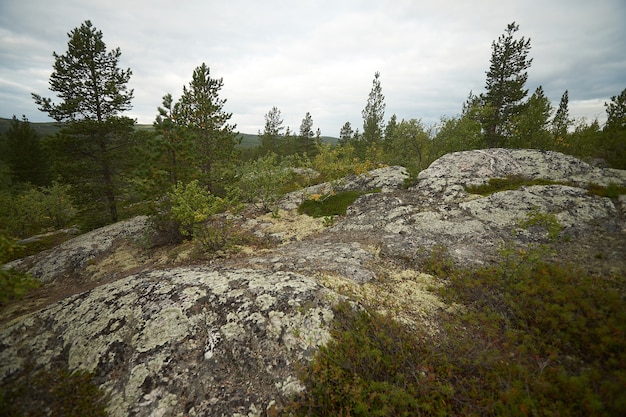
(95, 166)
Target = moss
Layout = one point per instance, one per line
(511, 182)
(331, 204)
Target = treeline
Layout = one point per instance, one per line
(99, 167)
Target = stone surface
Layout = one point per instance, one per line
(223, 336)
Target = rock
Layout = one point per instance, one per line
(385, 179)
(75, 254)
(163, 342)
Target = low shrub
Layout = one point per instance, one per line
(56, 392)
(532, 338)
(13, 284)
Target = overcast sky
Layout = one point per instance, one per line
(321, 56)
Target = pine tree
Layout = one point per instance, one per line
(373, 114)
(506, 79)
(24, 154)
(561, 120)
(345, 134)
(307, 137)
(531, 129)
(272, 132)
(92, 149)
(201, 112)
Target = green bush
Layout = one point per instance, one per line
(13, 284)
(372, 367)
(263, 180)
(33, 210)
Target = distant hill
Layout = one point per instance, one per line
(50, 128)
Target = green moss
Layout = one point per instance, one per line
(330, 205)
(511, 182)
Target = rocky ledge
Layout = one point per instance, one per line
(224, 337)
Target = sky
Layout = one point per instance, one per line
(321, 56)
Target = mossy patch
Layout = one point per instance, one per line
(333, 204)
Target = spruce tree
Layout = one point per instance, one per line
(307, 137)
(505, 86)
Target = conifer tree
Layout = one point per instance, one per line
(24, 154)
(272, 132)
(505, 86)
(374, 114)
(201, 112)
(92, 149)
(307, 137)
(345, 134)
(561, 120)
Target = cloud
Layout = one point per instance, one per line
(321, 56)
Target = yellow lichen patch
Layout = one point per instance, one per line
(291, 225)
(123, 258)
(405, 294)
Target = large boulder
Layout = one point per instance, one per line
(197, 340)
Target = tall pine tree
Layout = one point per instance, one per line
(91, 152)
(505, 86)
(374, 114)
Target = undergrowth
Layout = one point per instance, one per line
(514, 182)
(534, 338)
(56, 392)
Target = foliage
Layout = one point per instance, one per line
(24, 154)
(373, 115)
(56, 392)
(331, 204)
(13, 284)
(271, 137)
(33, 210)
(532, 338)
(511, 182)
(191, 206)
(262, 181)
(373, 366)
(201, 113)
(531, 128)
(90, 150)
(307, 141)
(505, 84)
(408, 143)
(335, 162)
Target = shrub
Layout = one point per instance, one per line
(262, 181)
(55, 392)
(13, 284)
(372, 367)
(35, 209)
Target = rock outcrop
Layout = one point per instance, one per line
(224, 337)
